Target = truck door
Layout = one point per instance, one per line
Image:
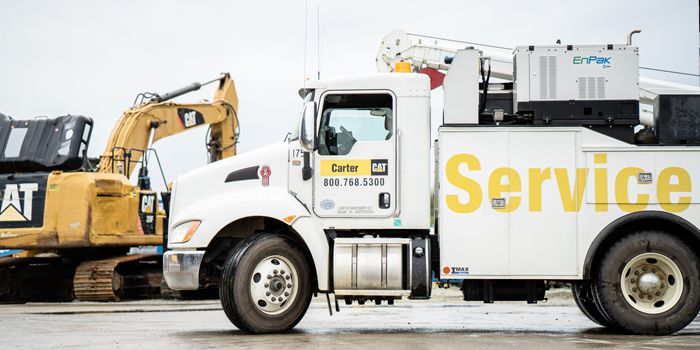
(356, 158)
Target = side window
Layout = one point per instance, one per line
(349, 118)
(14, 142)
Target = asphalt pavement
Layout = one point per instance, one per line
(445, 322)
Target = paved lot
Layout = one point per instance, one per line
(442, 323)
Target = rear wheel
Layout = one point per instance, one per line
(649, 283)
(266, 284)
(583, 295)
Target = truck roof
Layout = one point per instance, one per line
(402, 84)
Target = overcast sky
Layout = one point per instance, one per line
(93, 57)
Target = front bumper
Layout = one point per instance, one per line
(181, 269)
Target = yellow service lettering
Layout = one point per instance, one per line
(537, 176)
(600, 177)
(462, 182)
(622, 190)
(570, 201)
(497, 187)
(507, 180)
(665, 188)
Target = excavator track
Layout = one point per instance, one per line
(41, 279)
(119, 278)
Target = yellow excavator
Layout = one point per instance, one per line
(74, 218)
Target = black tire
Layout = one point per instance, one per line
(583, 296)
(621, 312)
(238, 274)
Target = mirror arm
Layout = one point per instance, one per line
(306, 170)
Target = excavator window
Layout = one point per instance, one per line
(349, 118)
(14, 142)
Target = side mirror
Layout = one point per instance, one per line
(307, 128)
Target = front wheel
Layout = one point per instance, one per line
(649, 283)
(266, 284)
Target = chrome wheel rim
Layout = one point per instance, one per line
(273, 285)
(652, 283)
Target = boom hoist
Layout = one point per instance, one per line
(77, 218)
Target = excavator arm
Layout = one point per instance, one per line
(144, 124)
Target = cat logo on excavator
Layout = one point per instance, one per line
(11, 208)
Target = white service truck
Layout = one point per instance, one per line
(546, 175)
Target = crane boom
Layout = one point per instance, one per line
(426, 52)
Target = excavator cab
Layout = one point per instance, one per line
(44, 144)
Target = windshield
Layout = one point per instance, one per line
(294, 134)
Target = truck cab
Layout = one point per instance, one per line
(357, 171)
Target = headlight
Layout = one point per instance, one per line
(184, 231)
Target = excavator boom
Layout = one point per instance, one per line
(158, 118)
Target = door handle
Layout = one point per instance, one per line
(644, 178)
(384, 200)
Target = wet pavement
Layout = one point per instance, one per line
(445, 322)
